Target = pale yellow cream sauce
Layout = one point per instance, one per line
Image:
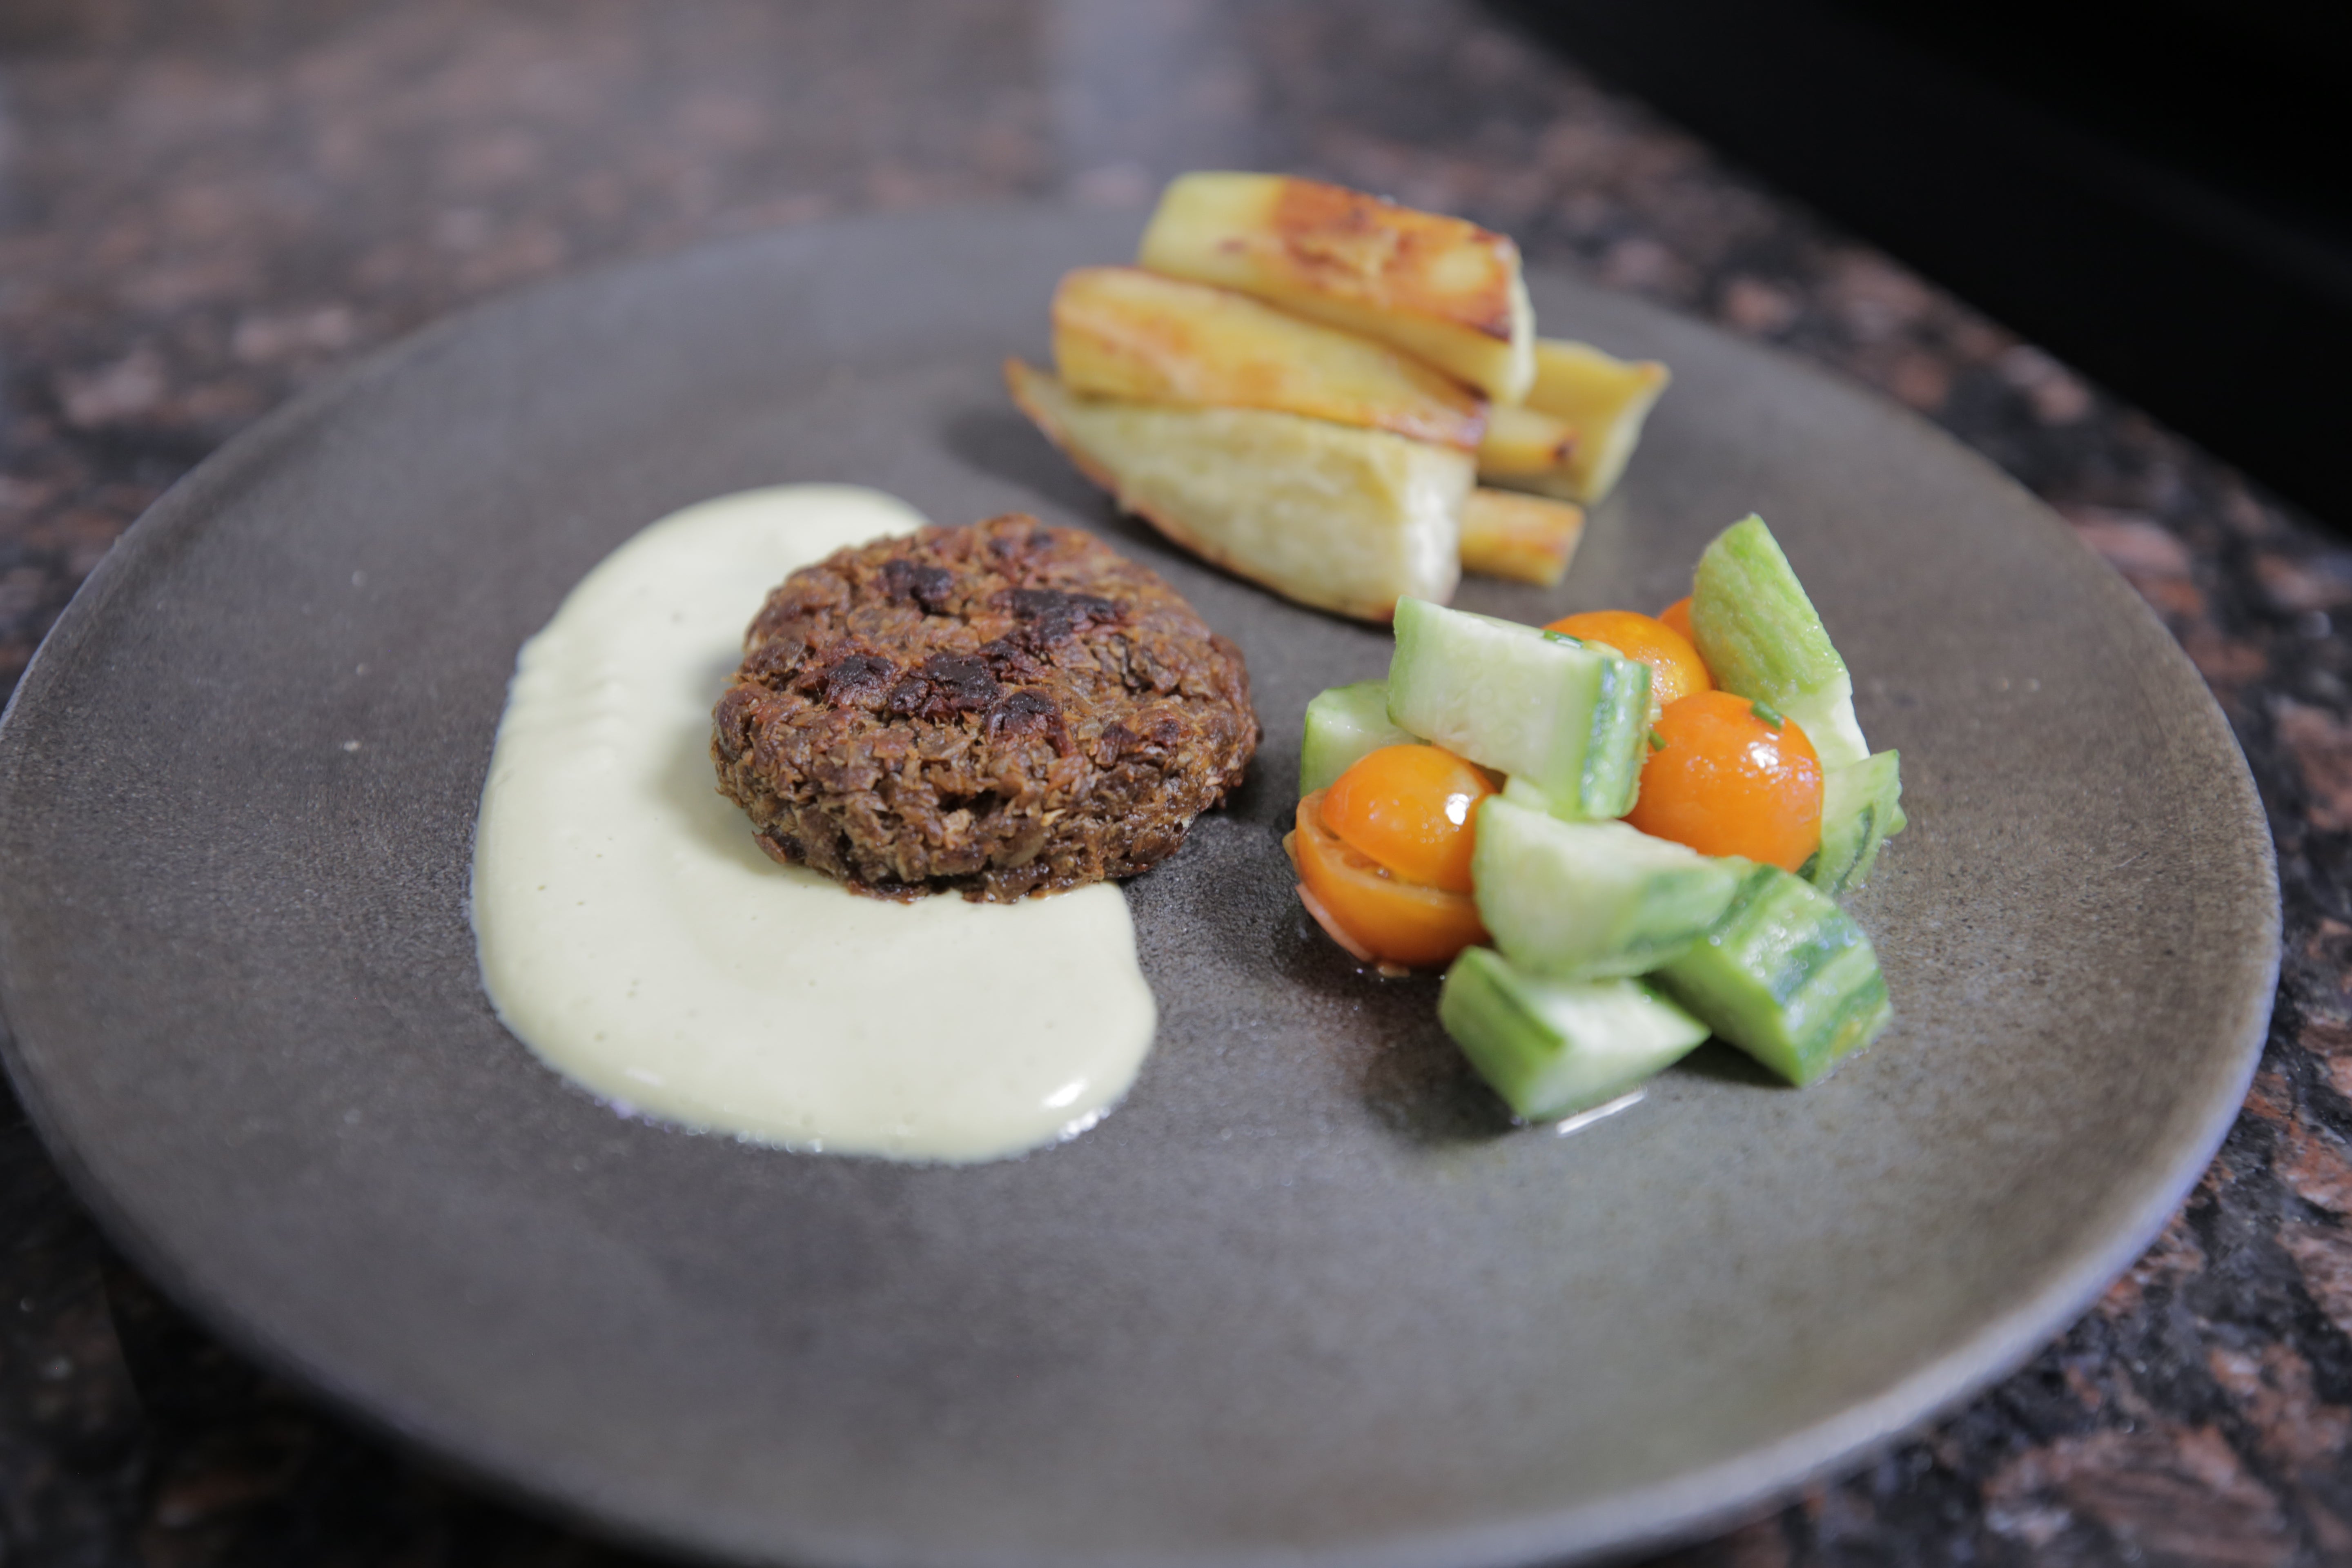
(633, 936)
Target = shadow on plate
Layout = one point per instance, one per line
(1726, 1065)
(1409, 1074)
(1000, 443)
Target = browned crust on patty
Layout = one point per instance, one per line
(1002, 710)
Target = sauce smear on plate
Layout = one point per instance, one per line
(632, 935)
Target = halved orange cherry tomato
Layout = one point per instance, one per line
(1411, 808)
(1675, 669)
(1678, 615)
(1728, 780)
(1399, 922)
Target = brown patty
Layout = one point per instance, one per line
(1004, 708)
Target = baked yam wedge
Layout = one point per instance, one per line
(1121, 331)
(1333, 516)
(1440, 289)
(1527, 538)
(1604, 399)
(1521, 442)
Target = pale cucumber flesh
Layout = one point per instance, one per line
(1551, 1048)
(1344, 724)
(1520, 792)
(1587, 901)
(1827, 719)
(1568, 717)
(1785, 975)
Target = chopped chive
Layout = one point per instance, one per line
(1770, 714)
(1657, 742)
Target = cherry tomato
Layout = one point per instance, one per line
(1678, 615)
(1729, 782)
(1372, 912)
(1411, 808)
(1675, 669)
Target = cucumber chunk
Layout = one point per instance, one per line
(1589, 901)
(1551, 1048)
(1860, 806)
(1343, 724)
(1521, 792)
(1785, 975)
(1569, 716)
(1762, 639)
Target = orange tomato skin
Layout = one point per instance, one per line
(1402, 922)
(1678, 615)
(1415, 809)
(1727, 782)
(1675, 669)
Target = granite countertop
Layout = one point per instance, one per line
(206, 205)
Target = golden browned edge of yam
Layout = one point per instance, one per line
(1439, 288)
(1525, 538)
(1018, 377)
(1520, 441)
(1607, 398)
(1359, 245)
(1126, 331)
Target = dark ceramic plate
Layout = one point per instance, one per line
(1305, 1297)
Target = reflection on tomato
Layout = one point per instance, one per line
(1411, 808)
(1388, 918)
(1728, 777)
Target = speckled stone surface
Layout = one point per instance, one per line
(203, 206)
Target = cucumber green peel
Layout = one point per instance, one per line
(1861, 805)
(1551, 1048)
(1763, 640)
(1785, 975)
(1344, 724)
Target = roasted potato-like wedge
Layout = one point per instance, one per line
(1439, 288)
(1334, 516)
(1521, 441)
(1120, 331)
(1527, 538)
(1605, 398)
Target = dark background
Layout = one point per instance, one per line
(2156, 192)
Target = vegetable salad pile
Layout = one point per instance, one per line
(1620, 833)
